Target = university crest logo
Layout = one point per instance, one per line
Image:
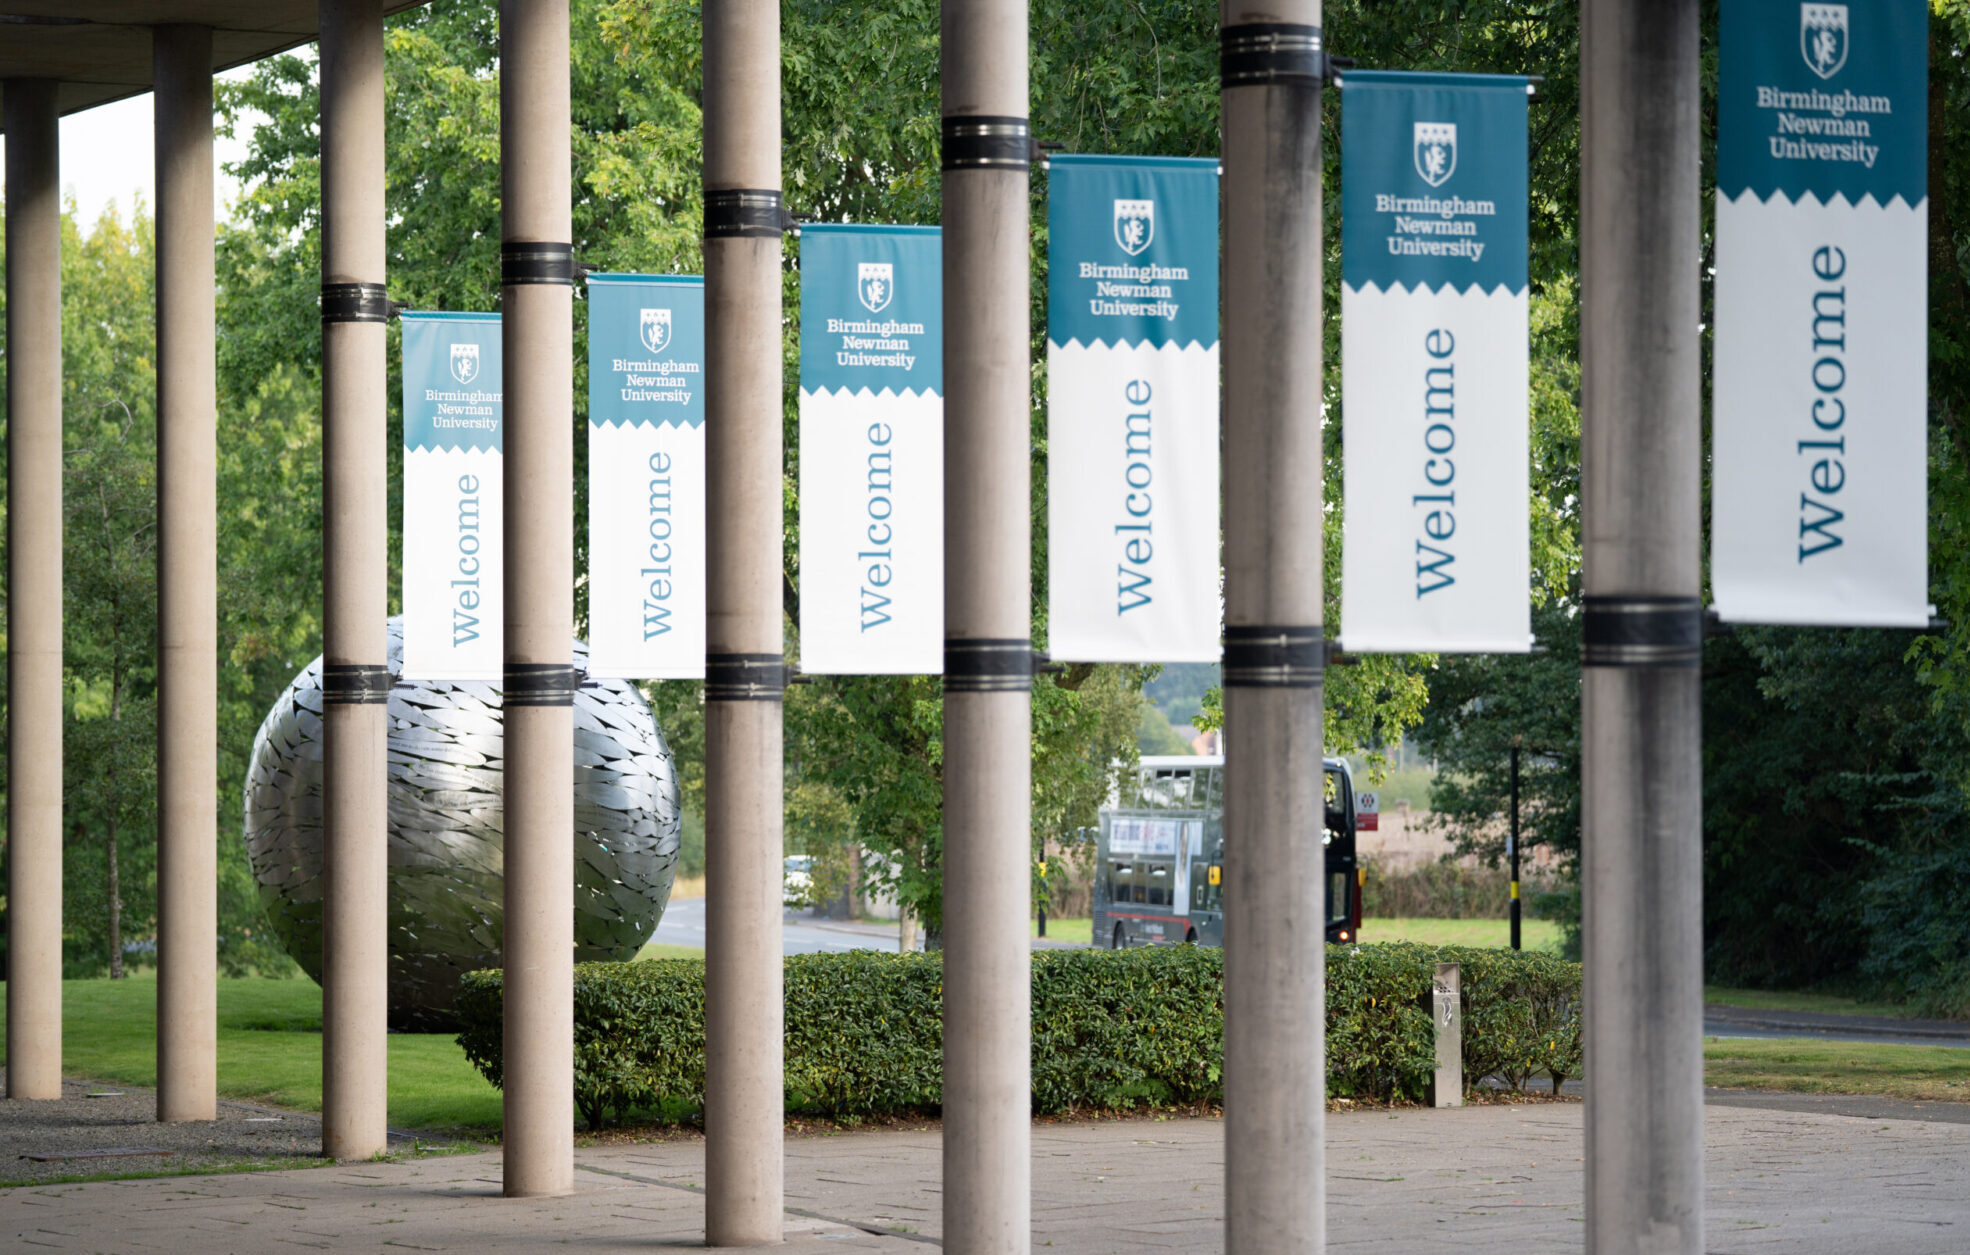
(1436, 151)
(875, 283)
(656, 329)
(1135, 225)
(465, 362)
(1823, 37)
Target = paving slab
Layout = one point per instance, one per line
(1504, 1179)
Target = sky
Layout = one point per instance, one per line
(107, 158)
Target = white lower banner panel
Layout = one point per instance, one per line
(1132, 508)
(454, 558)
(871, 533)
(1820, 501)
(1436, 551)
(646, 551)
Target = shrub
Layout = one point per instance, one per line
(1111, 1029)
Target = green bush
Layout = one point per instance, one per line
(1111, 1029)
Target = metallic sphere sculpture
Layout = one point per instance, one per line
(446, 828)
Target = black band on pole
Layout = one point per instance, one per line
(1257, 53)
(745, 677)
(354, 302)
(1641, 632)
(540, 684)
(522, 264)
(979, 142)
(988, 665)
(1267, 656)
(746, 213)
(355, 684)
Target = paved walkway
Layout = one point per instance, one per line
(1490, 1180)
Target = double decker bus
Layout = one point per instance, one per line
(1159, 856)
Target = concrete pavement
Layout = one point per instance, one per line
(1495, 1179)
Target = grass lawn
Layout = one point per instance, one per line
(1534, 934)
(269, 1050)
(1058, 929)
(1806, 1066)
(1537, 934)
(659, 950)
(1791, 1000)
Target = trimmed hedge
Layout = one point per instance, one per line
(1111, 1029)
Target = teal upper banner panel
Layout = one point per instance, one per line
(1433, 181)
(1132, 250)
(871, 308)
(646, 350)
(1826, 99)
(453, 380)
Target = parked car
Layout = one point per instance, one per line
(797, 882)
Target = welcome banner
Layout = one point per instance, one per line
(1132, 410)
(454, 613)
(1436, 550)
(646, 476)
(1820, 474)
(871, 450)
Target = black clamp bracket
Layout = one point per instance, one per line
(989, 142)
(988, 665)
(750, 213)
(355, 684)
(539, 684)
(745, 677)
(1254, 54)
(1271, 656)
(524, 264)
(1641, 631)
(355, 302)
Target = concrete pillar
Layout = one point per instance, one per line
(187, 581)
(537, 265)
(744, 676)
(1274, 936)
(1641, 771)
(34, 584)
(988, 655)
(356, 681)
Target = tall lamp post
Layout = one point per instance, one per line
(1512, 842)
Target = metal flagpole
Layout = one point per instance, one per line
(1273, 64)
(988, 656)
(1641, 770)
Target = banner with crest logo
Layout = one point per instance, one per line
(1436, 547)
(871, 450)
(1819, 492)
(646, 476)
(1132, 409)
(453, 556)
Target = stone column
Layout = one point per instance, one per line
(988, 655)
(744, 1166)
(187, 581)
(34, 588)
(1274, 933)
(355, 681)
(1641, 713)
(537, 266)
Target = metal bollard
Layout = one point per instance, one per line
(1446, 1088)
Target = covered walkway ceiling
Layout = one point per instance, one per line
(101, 49)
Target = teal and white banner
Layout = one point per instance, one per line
(454, 521)
(646, 476)
(1132, 409)
(1819, 479)
(871, 450)
(1436, 547)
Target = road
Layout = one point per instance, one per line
(1721, 1021)
(684, 925)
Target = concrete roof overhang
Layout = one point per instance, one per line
(100, 50)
